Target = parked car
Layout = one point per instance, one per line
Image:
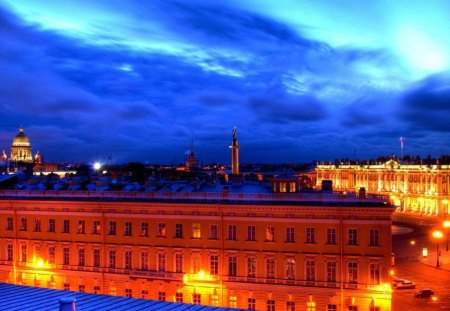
(424, 293)
(396, 281)
(406, 284)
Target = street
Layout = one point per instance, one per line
(408, 266)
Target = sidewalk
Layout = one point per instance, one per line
(444, 259)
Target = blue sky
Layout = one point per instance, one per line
(301, 80)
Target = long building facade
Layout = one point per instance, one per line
(252, 251)
(422, 190)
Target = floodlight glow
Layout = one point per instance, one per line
(97, 166)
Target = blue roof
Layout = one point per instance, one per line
(27, 298)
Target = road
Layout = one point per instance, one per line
(407, 266)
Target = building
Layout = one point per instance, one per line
(238, 246)
(191, 162)
(21, 148)
(418, 189)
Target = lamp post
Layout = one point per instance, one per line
(437, 235)
(446, 225)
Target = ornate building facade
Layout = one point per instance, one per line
(414, 188)
(21, 148)
(260, 251)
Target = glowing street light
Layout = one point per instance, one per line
(446, 225)
(97, 166)
(437, 235)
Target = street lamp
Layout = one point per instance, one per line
(446, 225)
(437, 235)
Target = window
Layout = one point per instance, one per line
(51, 255)
(9, 223)
(214, 265)
(310, 235)
(331, 307)
(128, 256)
(232, 232)
(144, 260)
(331, 236)
(81, 288)
(232, 302)
(270, 305)
(310, 270)
(81, 257)
(270, 268)
(96, 257)
(162, 296)
(37, 225)
(232, 266)
(179, 297)
(81, 227)
(331, 271)
(352, 308)
(112, 228)
(96, 289)
(374, 237)
(9, 252)
(251, 304)
(352, 237)
(66, 226)
(161, 230)
(51, 225)
(127, 231)
(374, 273)
(66, 256)
(196, 298)
(178, 262)
(66, 286)
(195, 261)
(270, 233)
(352, 272)
(178, 231)
(310, 306)
(144, 293)
(23, 224)
(161, 262)
(112, 259)
(374, 308)
(290, 234)
(144, 229)
(290, 269)
(128, 292)
(213, 232)
(251, 233)
(214, 300)
(251, 267)
(196, 234)
(290, 305)
(96, 227)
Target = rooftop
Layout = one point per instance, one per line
(23, 298)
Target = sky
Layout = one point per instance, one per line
(302, 81)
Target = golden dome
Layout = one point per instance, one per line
(21, 139)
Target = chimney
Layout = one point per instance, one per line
(67, 304)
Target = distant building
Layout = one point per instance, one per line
(21, 148)
(417, 189)
(191, 162)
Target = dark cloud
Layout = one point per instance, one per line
(427, 106)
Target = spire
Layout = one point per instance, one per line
(192, 144)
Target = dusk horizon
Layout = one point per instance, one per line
(137, 82)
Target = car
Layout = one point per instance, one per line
(406, 284)
(396, 281)
(424, 293)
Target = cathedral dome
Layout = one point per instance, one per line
(21, 139)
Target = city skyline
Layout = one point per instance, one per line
(135, 81)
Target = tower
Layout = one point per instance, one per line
(234, 153)
(191, 162)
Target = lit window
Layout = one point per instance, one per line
(310, 306)
(81, 227)
(96, 227)
(144, 229)
(161, 230)
(196, 233)
(270, 233)
(232, 302)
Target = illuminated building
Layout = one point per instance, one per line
(234, 154)
(21, 148)
(417, 189)
(191, 162)
(222, 246)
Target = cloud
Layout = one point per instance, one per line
(427, 105)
